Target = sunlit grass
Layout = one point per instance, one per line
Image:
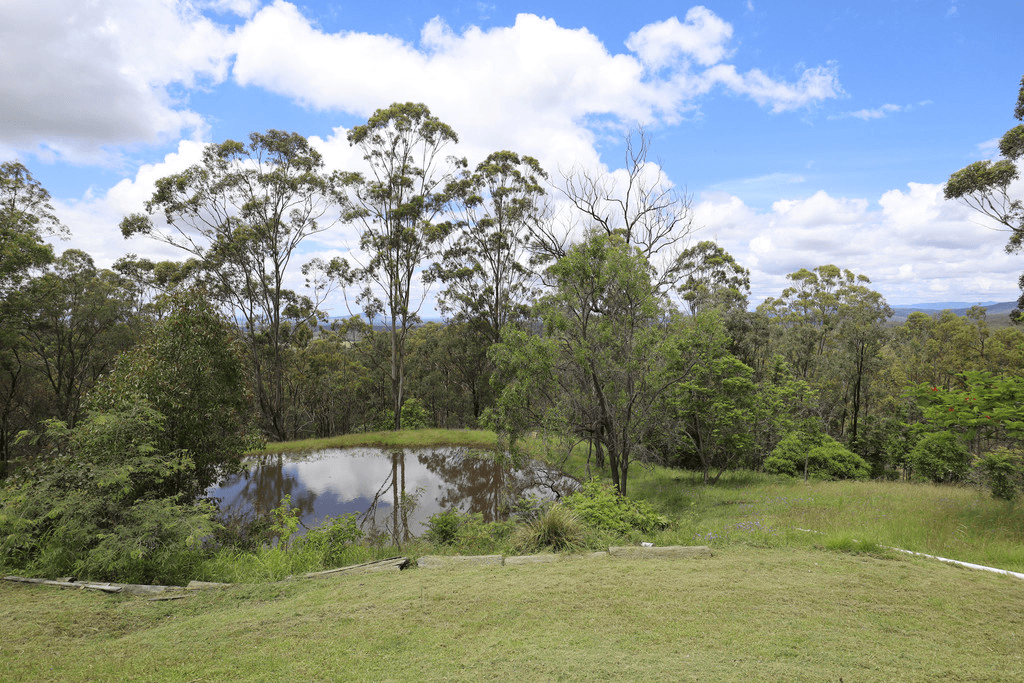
(962, 523)
(744, 614)
(411, 438)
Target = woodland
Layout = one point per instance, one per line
(604, 329)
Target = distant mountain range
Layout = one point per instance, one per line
(997, 309)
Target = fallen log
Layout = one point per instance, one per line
(105, 587)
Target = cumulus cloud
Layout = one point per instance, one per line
(94, 219)
(76, 77)
(535, 85)
(911, 241)
(703, 36)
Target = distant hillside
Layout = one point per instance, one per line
(996, 313)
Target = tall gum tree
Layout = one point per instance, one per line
(828, 326)
(597, 369)
(485, 269)
(26, 218)
(985, 187)
(399, 206)
(242, 212)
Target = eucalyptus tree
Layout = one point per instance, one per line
(598, 367)
(713, 279)
(985, 186)
(26, 219)
(242, 212)
(399, 205)
(828, 326)
(485, 270)
(640, 205)
(73, 324)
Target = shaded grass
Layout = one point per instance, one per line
(745, 614)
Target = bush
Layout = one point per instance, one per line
(443, 528)
(91, 509)
(823, 456)
(941, 457)
(333, 538)
(414, 414)
(468, 533)
(600, 506)
(1004, 470)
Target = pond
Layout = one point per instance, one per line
(394, 491)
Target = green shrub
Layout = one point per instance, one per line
(468, 533)
(823, 456)
(1004, 470)
(558, 528)
(333, 538)
(91, 511)
(941, 457)
(443, 528)
(414, 415)
(600, 506)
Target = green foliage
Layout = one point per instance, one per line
(397, 207)
(486, 280)
(468, 533)
(985, 186)
(600, 506)
(713, 279)
(443, 527)
(941, 457)
(190, 369)
(1004, 470)
(820, 456)
(415, 415)
(242, 212)
(284, 522)
(596, 370)
(984, 408)
(91, 509)
(714, 407)
(559, 528)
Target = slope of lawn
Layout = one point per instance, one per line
(745, 614)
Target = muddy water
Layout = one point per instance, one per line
(394, 491)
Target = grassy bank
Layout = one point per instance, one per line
(751, 614)
(749, 509)
(413, 438)
(755, 510)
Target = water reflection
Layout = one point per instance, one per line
(394, 491)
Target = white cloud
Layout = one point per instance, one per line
(878, 113)
(703, 37)
(94, 219)
(76, 77)
(534, 86)
(914, 242)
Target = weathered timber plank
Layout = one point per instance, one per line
(666, 552)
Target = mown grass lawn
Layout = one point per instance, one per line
(752, 614)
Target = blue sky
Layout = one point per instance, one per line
(806, 132)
